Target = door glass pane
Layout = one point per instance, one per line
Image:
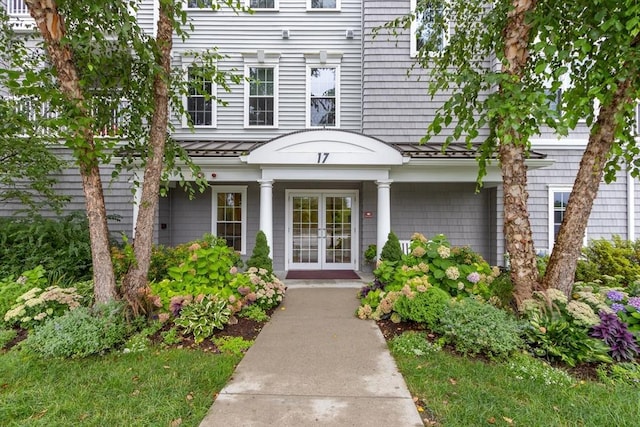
(338, 218)
(305, 229)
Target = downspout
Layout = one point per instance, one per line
(631, 207)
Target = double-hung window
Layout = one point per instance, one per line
(261, 97)
(261, 89)
(427, 27)
(229, 220)
(323, 4)
(200, 102)
(323, 89)
(262, 4)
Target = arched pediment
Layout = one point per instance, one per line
(325, 147)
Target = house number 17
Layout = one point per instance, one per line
(322, 158)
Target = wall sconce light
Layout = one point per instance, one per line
(285, 34)
(349, 34)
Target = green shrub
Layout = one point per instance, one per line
(171, 337)
(391, 251)
(232, 345)
(203, 316)
(206, 270)
(260, 257)
(254, 312)
(474, 327)
(6, 336)
(413, 343)
(61, 246)
(620, 373)
(80, 332)
(617, 257)
(423, 307)
(370, 253)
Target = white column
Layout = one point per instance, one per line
(266, 210)
(384, 212)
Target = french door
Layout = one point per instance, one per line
(321, 233)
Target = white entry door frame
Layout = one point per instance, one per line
(321, 230)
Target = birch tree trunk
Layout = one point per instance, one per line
(517, 227)
(562, 265)
(135, 281)
(51, 26)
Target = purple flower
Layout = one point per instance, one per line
(615, 296)
(635, 302)
(616, 307)
(474, 277)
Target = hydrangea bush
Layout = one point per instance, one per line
(457, 271)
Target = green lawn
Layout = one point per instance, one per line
(459, 391)
(152, 388)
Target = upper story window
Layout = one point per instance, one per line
(323, 96)
(198, 4)
(200, 102)
(261, 89)
(425, 27)
(323, 89)
(323, 4)
(262, 4)
(261, 99)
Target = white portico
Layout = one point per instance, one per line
(322, 225)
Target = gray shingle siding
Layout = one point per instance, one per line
(451, 209)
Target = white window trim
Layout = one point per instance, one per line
(551, 209)
(242, 189)
(261, 59)
(323, 9)
(275, 8)
(322, 59)
(413, 43)
(188, 61)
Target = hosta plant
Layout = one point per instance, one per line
(559, 329)
(203, 316)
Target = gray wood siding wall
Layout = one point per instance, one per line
(189, 220)
(609, 213)
(117, 195)
(310, 32)
(451, 209)
(396, 106)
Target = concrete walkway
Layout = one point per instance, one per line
(316, 364)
